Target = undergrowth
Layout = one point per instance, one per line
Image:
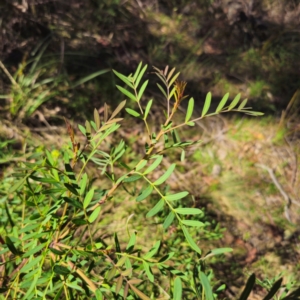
(53, 236)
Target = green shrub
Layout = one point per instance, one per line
(52, 213)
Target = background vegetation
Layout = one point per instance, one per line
(56, 60)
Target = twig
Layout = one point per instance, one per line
(8, 74)
(286, 197)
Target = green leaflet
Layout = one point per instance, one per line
(166, 257)
(190, 240)
(34, 250)
(243, 104)
(253, 113)
(176, 196)
(148, 271)
(152, 251)
(190, 123)
(173, 79)
(159, 205)
(206, 286)
(124, 78)
(126, 93)
(162, 90)
(141, 164)
(83, 183)
(142, 89)
(154, 165)
(132, 112)
(94, 214)
(131, 242)
(219, 251)
(165, 176)
(145, 193)
(88, 198)
(168, 221)
(137, 71)
(234, 102)
(132, 178)
(31, 264)
(190, 110)
(222, 102)
(147, 109)
(188, 211)
(177, 293)
(206, 104)
(139, 77)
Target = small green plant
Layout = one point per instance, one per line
(51, 246)
(36, 81)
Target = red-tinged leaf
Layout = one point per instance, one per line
(97, 118)
(119, 284)
(118, 109)
(139, 293)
